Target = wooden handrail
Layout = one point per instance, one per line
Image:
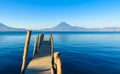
(25, 51)
(36, 45)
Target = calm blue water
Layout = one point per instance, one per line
(81, 53)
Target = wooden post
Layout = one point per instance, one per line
(35, 45)
(57, 63)
(52, 70)
(52, 55)
(50, 37)
(51, 45)
(41, 39)
(25, 51)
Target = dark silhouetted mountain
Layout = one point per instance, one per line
(7, 28)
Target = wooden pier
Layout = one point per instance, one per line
(44, 60)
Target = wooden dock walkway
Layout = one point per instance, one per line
(44, 60)
(41, 62)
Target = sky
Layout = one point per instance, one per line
(37, 14)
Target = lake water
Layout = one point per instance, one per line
(81, 52)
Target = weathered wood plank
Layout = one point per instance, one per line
(41, 62)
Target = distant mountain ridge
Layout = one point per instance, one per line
(63, 26)
(7, 28)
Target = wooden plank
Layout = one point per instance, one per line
(41, 62)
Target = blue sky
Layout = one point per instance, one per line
(38, 14)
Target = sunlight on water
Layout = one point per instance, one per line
(82, 53)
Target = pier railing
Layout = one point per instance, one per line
(56, 65)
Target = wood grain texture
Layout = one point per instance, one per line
(41, 62)
(25, 51)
